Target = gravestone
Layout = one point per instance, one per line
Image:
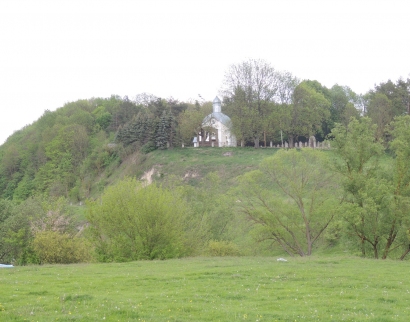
(312, 142)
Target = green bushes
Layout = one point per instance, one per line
(132, 222)
(41, 230)
(148, 147)
(60, 248)
(222, 248)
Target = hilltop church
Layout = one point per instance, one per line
(217, 129)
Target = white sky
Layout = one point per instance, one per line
(53, 52)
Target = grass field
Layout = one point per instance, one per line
(209, 289)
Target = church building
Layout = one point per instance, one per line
(216, 128)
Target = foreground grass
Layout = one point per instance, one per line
(209, 289)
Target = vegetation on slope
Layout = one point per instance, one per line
(239, 203)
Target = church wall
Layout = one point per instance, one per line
(219, 122)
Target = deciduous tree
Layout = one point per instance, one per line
(304, 117)
(255, 81)
(370, 208)
(291, 199)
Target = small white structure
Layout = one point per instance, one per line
(195, 142)
(217, 128)
(5, 266)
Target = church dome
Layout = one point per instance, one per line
(217, 114)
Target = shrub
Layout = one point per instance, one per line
(148, 147)
(60, 248)
(131, 222)
(222, 248)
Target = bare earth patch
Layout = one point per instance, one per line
(148, 175)
(191, 174)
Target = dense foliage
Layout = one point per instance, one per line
(131, 222)
(354, 197)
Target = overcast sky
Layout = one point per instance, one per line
(53, 52)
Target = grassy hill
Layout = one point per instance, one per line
(70, 152)
(73, 154)
(193, 164)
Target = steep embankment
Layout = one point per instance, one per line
(192, 164)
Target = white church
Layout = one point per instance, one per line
(217, 129)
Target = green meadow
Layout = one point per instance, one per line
(209, 289)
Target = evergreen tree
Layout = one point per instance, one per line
(161, 136)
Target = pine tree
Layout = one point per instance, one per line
(161, 137)
(172, 125)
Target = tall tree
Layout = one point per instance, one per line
(386, 101)
(190, 121)
(399, 228)
(286, 84)
(380, 110)
(255, 81)
(341, 98)
(165, 133)
(398, 93)
(304, 117)
(291, 199)
(373, 206)
(241, 115)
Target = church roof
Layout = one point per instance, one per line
(216, 100)
(221, 117)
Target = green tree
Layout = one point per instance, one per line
(398, 94)
(190, 121)
(252, 85)
(104, 120)
(399, 227)
(15, 232)
(291, 199)
(342, 107)
(132, 222)
(142, 130)
(370, 208)
(241, 115)
(165, 133)
(304, 117)
(380, 110)
(286, 85)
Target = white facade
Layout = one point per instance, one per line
(218, 127)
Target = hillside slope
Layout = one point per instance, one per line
(70, 152)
